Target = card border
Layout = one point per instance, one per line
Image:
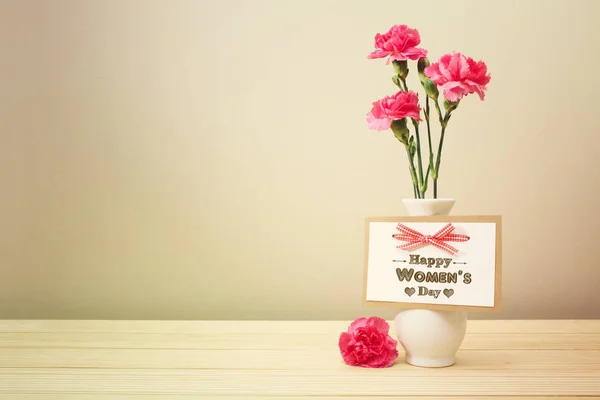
(497, 219)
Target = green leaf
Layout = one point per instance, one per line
(431, 167)
(396, 81)
(424, 187)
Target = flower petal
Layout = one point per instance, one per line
(458, 76)
(400, 43)
(378, 124)
(357, 324)
(378, 54)
(344, 341)
(380, 324)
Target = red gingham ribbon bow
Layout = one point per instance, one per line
(416, 239)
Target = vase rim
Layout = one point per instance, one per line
(428, 207)
(445, 199)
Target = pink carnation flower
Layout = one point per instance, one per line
(390, 108)
(399, 43)
(458, 76)
(367, 344)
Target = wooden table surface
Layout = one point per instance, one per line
(285, 360)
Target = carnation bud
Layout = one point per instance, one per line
(401, 68)
(412, 147)
(430, 88)
(422, 64)
(400, 130)
(450, 105)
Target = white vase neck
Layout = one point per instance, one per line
(428, 207)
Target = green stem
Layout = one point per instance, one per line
(419, 160)
(437, 163)
(426, 179)
(421, 182)
(415, 191)
(439, 111)
(404, 82)
(413, 173)
(428, 127)
(436, 169)
(439, 156)
(427, 114)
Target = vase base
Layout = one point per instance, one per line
(429, 362)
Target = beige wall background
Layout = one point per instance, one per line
(211, 159)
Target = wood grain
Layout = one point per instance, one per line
(71, 396)
(250, 327)
(285, 360)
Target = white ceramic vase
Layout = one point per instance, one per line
(430, 338)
